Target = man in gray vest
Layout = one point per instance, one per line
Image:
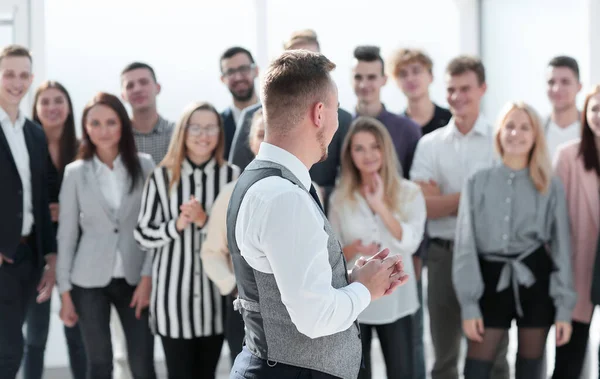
(298, 300)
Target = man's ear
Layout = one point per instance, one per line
(316, 114)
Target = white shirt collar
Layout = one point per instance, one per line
(5, 119)
(101, 166)
(187, 169)
(481, 127)
(283, 157)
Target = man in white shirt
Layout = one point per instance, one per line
(564, 123)
(443, 161)
(238, 73)
(27, 243)
(298, 301)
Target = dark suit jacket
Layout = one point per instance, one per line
(229, 127)
(11, 195)
(323, 173)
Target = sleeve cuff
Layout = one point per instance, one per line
(64, 287)
(563, 315)
(172, 229)
(470, 311)
(227, 285)
(362, 294)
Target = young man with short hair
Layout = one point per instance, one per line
(298, 300)
(444, 159)
(368, 78)
(151, 131)
(413, 71)
(238, 73)
(27, 243)
(564, 123)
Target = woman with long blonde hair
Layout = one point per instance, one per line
(186, 307)
(512, 250)
(374, 206)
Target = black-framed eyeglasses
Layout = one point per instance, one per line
(244, 70)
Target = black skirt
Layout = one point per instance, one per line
(499, 308)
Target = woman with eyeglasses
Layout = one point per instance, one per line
(186, 307)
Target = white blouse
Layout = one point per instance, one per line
(352, 221)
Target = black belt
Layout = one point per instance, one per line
(446, 244)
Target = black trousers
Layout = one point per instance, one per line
(18, 282)
(93, 306)
(192, 358)
(396, 341)
(570, 357)
(234, 327)
(248, 366)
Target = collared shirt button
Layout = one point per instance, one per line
(504, 237)
(512, 175)
(506, 218)
(508, 199)
(509, 181)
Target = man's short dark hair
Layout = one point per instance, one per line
(465, 63)
(234, 51)
(294, 82)
(15, 51)
(565, 61)
(369, 53)
(137, 65)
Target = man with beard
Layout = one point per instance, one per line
(323, 173)
(238, 72)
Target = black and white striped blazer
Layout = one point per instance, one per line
(184, 302)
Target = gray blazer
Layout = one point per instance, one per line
(90, 233)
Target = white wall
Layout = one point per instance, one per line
(87, 44)
(343, 24)
(520, 37)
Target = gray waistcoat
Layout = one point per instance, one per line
(270, 333)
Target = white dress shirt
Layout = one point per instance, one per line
(280, 231)
(449, 157)
(112, 185)
(353, 221)
(18, 148)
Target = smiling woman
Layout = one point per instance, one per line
(512, 221)
(100, 264)
(177, 199)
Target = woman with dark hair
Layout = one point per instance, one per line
(99, 262)
(577, 165)
(53, 110)
(186, 306)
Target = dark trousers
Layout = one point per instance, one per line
(36, 336)
(93, 307)
(570, 357)
(18, 282)
(234, 328)
(248, 366)
(445, 317)
(192, 358)
(420, 372)
(396, 346)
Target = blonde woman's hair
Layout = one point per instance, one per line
(390, 172)
(539, 164)
(177, 150)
